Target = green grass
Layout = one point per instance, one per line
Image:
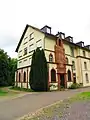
(49, 112)
(81, 96)
(3, 93)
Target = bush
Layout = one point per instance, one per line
(21, 89)
(74, 86)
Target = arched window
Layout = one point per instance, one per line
(85, 65)
(86, 76)
(69, 75)
(19, 77)
(50, 58)
(73, 65)
(67, 60)
(24, 77)
(53, 75)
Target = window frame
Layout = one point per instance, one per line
(72, 51)
(50, 57)
(25, 51)
(85, 65)
(31, 38)
(73, 65)
(84, 54)
(87, 78)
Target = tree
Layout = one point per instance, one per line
(12, 69)
(7, 69)
(38, 72)
(4, 73)
(31, 80)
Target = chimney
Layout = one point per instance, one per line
(46, 29)
(81, 43)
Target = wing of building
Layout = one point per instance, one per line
(68, 62)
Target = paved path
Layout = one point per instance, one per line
(15, 108)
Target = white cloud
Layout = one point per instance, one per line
(69, 16)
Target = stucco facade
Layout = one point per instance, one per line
(65, 59)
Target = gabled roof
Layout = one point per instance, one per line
(24, 34)
(48, 35)
(21, 38)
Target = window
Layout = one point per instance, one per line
(25, 38)
(86, 76)
(67, 60)
(72, 51)
(53, 75)
(85, 65)
(19, 77)
(31, 36)
(50, 58)
(73, 65)
(84, 53)
(48, 30)
(20, 53)
(24, 77)
(25, 51)
(74, 77)
(69, 75)
(39, 43)
(20, 64)
(31, 47)
(62, 36)
(25, 60)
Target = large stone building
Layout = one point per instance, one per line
(68, 62)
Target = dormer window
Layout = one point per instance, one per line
(82, 44)
(50, 58)
(62, 36)
(46, 29)
(71, 40)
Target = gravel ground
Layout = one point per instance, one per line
(78, 110)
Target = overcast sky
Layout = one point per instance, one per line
(69, 16)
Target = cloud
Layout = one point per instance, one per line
(6, 40)
(69, 16)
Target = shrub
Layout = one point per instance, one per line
(74, 86)
(21, 89)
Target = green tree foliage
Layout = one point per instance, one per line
(12, 69)
(7, 69)
(4, 73)
(39, 72)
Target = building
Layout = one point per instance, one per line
(68, 62)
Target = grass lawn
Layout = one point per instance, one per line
(5, 92)
(58, 108)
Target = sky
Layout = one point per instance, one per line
(69, 16)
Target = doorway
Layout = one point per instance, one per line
(62, 80)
